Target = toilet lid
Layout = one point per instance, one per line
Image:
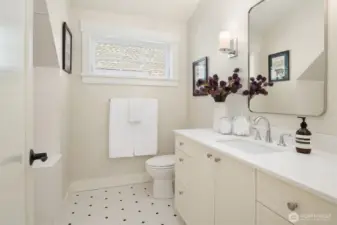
(161, 161)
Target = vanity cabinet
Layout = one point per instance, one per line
(194, 183)
(265, 216)
(234, 194)
(284, 199)
(216, 190)
(182, 168)
(202, 191)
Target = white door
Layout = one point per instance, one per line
(15, 111)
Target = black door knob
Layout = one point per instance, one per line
(37, 156)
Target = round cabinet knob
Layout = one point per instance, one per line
(217, 160)
(181, 160)
(292, 206)
(209, 155)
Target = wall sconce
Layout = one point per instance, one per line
(228, 45)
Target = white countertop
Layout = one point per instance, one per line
(315, 173)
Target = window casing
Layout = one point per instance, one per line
(132, 58)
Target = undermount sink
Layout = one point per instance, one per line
(251, 146)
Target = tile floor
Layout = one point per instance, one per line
(126, 205)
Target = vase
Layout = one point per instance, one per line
(220, 98)
(220, 112)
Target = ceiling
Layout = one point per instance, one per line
(177, 10)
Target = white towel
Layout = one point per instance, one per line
(134, 106)
(145, 132)
(120, 130)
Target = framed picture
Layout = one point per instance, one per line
(278, 64)
(200, 71)
(67, 49)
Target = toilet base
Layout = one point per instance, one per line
(163, 189)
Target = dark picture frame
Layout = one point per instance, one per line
(279, 66)
(67, 49)
(200, 71)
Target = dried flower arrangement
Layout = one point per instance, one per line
(220, 90)
(257, 86)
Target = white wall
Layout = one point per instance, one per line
(51, 96)
(58, 13)
(51, 110)
(89, 103)
(44, 53)
(211, 17)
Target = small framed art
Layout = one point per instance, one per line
(200, 72)
(279, 66)
(67, 49)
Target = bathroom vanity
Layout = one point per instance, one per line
(238, 181)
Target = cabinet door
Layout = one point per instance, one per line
(267, 217)
(183, 170)
(201, 191)
(234, 193)
(181, 200)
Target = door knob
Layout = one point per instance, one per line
(37, 156)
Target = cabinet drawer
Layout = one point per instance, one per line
(182, 167)
(281, 198)
(264, 216)
(191, 148)
(180, 142)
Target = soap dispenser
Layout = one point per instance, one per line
(303, 138)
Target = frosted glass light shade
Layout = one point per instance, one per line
(227, 44)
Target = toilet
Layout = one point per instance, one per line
(161, 169)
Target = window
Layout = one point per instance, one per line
(126, 60)
(132, 59)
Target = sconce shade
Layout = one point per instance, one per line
(224, 39)
(227, 44)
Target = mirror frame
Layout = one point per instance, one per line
(326, 38)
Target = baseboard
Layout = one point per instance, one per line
(107, 182)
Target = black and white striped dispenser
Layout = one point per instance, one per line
(303, 138)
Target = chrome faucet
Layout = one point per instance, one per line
(282, 141)
(257, 134)
(268, 134)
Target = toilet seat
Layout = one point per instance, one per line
(160, 167)
(161, 162)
